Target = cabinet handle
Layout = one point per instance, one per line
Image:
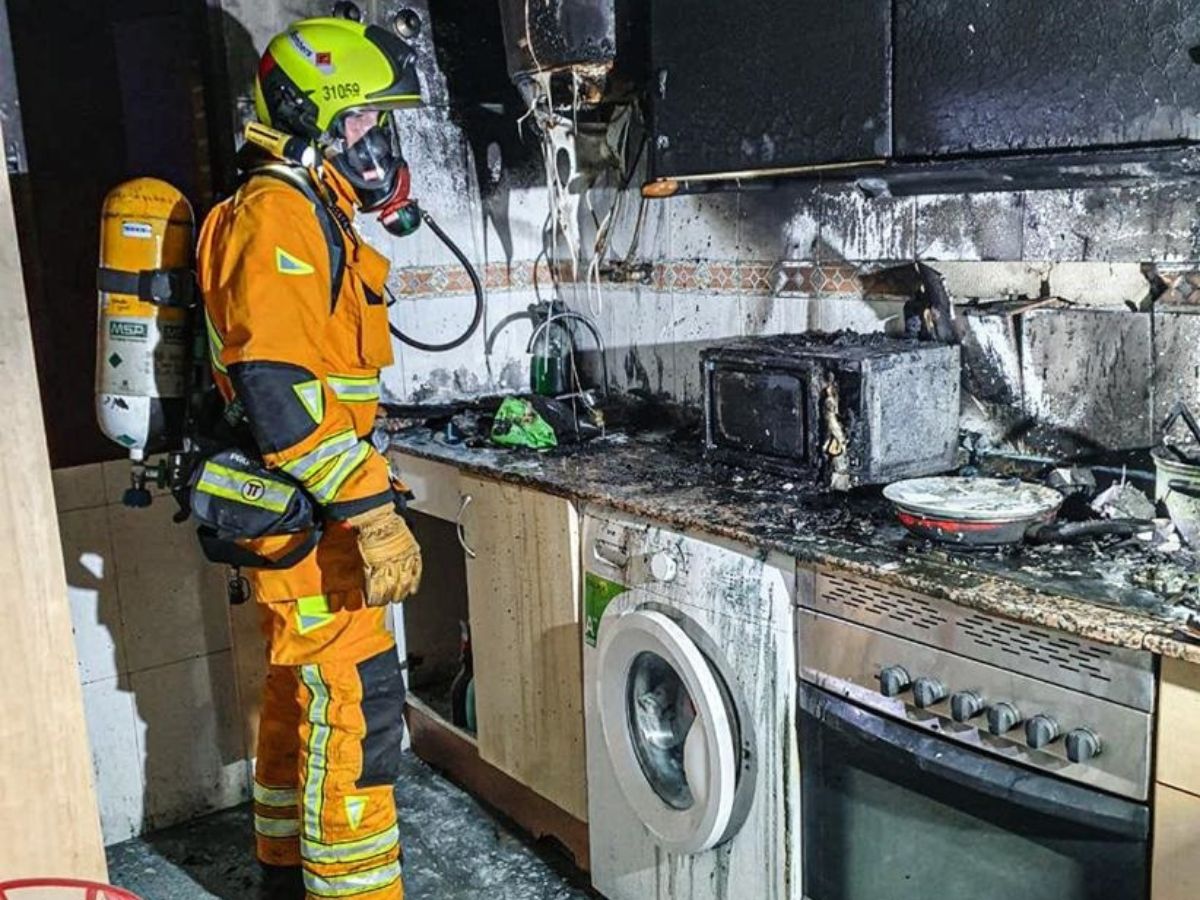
(458, 522)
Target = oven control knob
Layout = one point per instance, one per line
(966, 705)
(928, 692)
(1002, 718)
(1040, 731)
(894, 681)
(663, 566)
(1083, 744)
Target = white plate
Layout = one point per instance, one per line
(973, 499)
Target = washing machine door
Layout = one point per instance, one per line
(670, 731)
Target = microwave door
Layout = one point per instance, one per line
(758, 411)
(893, 812)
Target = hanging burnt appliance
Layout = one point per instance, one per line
(590, 50)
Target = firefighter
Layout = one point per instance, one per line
(298, 331)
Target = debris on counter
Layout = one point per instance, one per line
(1073, 480)
(661, 476)
(1170, 581)
(1123, 501)
(1166, 538)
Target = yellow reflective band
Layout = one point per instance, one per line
(312, 613)
(215, 344)
(352, 883)
(351, 851)
(280, 798)
(287, 264)
(354, 389)
(318, 746)
(306, 466)
(356, 808)
(330, 484)
(276, 828)
(229, 484)
(312, 397)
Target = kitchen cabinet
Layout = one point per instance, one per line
(977, 76)
(765, 85)
(505, 559)
(1179, 727)
(523, 583)
(434, 486)
(943, 95)
(1176, 872)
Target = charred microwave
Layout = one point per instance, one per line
(843, 409)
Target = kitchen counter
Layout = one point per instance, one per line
(1125, 595)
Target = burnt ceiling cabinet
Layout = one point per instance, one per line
(999, 76)
(763, 84)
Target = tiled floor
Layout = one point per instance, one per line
(454, 849)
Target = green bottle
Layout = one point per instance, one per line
(549, 365)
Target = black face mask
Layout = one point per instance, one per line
(375, 167)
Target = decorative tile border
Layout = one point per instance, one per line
(1182, 285)
(817, 281)
(754, 278)
(434, 281)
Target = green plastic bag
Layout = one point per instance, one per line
(518, 424)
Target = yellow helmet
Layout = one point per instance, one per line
(320, 69)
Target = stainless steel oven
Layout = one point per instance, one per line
(950, 754)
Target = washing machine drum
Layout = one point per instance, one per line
(672, 732)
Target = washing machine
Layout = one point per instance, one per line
(690, 704)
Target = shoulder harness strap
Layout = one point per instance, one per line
(332, 225)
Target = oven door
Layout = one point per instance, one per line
(895, 813)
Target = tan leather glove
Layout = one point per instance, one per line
(391, 557)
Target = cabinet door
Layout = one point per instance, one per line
(760, 84)
(1176, 874)
(434, 485)
(523, 588)
(989, 76)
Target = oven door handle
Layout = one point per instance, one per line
(1008, 783)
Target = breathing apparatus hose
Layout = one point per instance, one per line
(476, 284)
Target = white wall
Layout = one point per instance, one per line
(156, 657)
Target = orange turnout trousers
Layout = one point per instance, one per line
(298, 334)
(328, 744)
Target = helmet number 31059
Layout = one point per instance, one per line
(342, 91)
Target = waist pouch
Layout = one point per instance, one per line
(235, 497)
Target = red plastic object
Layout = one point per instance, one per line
(90, 889)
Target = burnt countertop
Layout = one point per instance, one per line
(1124, 595)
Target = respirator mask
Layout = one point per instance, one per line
(365, 149)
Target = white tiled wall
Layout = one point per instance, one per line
(152, 634)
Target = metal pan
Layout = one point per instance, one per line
(990, 512)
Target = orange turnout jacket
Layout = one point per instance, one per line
(303, 359)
